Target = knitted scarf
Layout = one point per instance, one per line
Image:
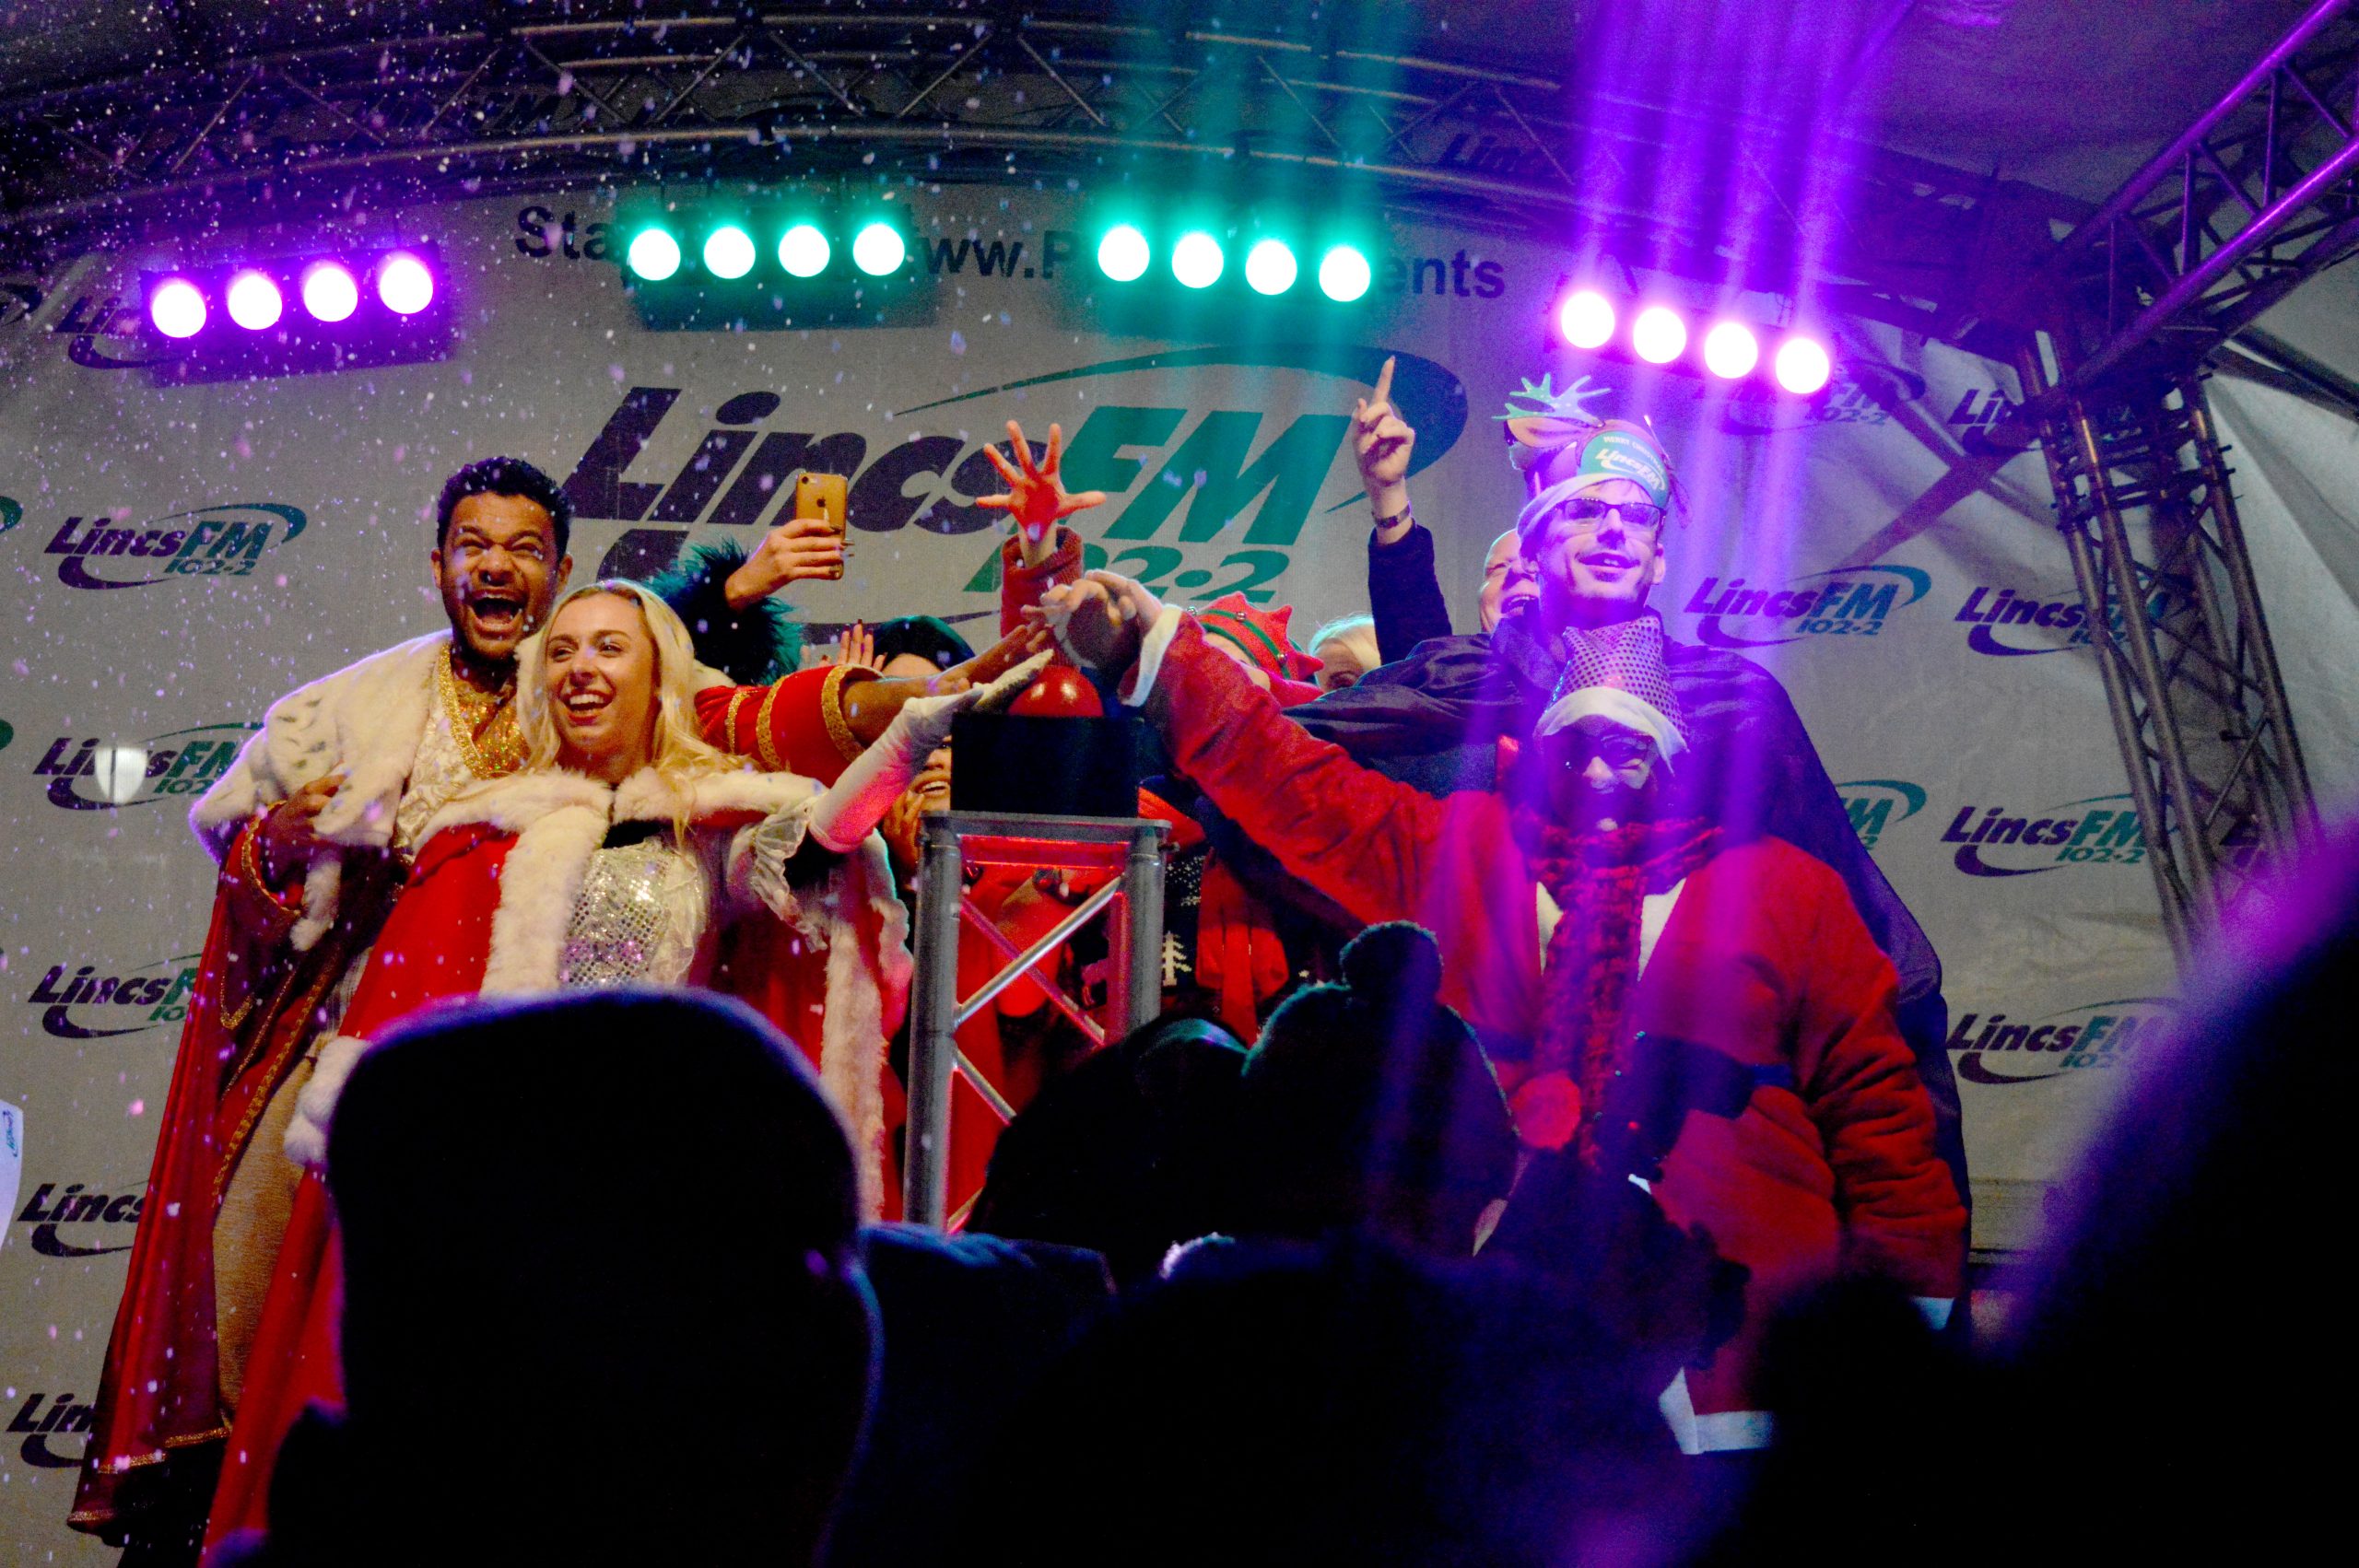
(1600, 880)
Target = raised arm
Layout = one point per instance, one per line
(1349, 832)
(1043, 551)
(1404, 593)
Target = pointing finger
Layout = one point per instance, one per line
(1384, 382)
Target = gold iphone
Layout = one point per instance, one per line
(821, 496)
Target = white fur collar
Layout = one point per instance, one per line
(648, 796)
(515, 803)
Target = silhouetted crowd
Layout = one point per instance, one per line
(1210, 1309)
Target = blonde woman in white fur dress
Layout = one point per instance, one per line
(627, 851)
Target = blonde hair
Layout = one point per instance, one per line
(677, 750)
(1355, 635)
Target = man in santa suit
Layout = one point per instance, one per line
(1594, 914)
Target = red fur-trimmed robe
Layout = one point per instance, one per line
(272, 960)
(1763, 957)
(485, 912)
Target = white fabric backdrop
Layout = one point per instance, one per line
(1930, 716)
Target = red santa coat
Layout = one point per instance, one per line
(485, 912)
(1764, 957)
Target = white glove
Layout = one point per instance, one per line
(856, 803)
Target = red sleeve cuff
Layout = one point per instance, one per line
(1020, 587)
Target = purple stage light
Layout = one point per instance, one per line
(1802, 366)
(329, 292)
(177, 309)
(404, 284)
(255, 302)
(1659, 334)
(1730, 350)
(1586, 319)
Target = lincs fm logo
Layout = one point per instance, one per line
(87, 773)
(2102, 830)
(1175, 478)
(1836, 604)
(82, 1004)
(1999, 1049)
(228, 540)
(1876, 805)
(48, 1209)
(61, 1417)
(2009, 625)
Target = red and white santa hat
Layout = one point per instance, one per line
(1616, 672)
(1260, 636)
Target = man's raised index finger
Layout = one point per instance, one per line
(1384, 382)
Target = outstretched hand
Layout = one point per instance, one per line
(856, 648)
(1035, 496)
(869, 705)
(998, 659)
(1100, 620)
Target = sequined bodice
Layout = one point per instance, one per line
(639, 915)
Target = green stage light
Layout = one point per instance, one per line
(803, 251)
(1343, 274)
(1122, 253)
(1270, 267)
(729, 252)
(1197, 259)
(879, 249)
(654, 254)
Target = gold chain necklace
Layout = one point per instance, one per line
(483, 723)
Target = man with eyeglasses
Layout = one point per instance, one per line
(1601, 501)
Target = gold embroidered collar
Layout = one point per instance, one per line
(483, 723)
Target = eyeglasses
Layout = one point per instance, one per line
(1619, 750)
(1586, 514)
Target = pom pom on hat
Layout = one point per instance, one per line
(1261, 633)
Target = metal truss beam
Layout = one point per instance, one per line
(774, 96)
(2214, 765)
(2259, 194)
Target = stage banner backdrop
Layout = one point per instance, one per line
(175, 552)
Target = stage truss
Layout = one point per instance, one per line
(991, 97)
(2259, 194)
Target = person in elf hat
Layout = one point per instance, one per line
(1258, 641)
(1597, 919)
(1602, 497)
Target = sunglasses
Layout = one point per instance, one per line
(1586, 513)
(1618, 750)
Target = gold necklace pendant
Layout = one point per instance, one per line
(483, 723)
